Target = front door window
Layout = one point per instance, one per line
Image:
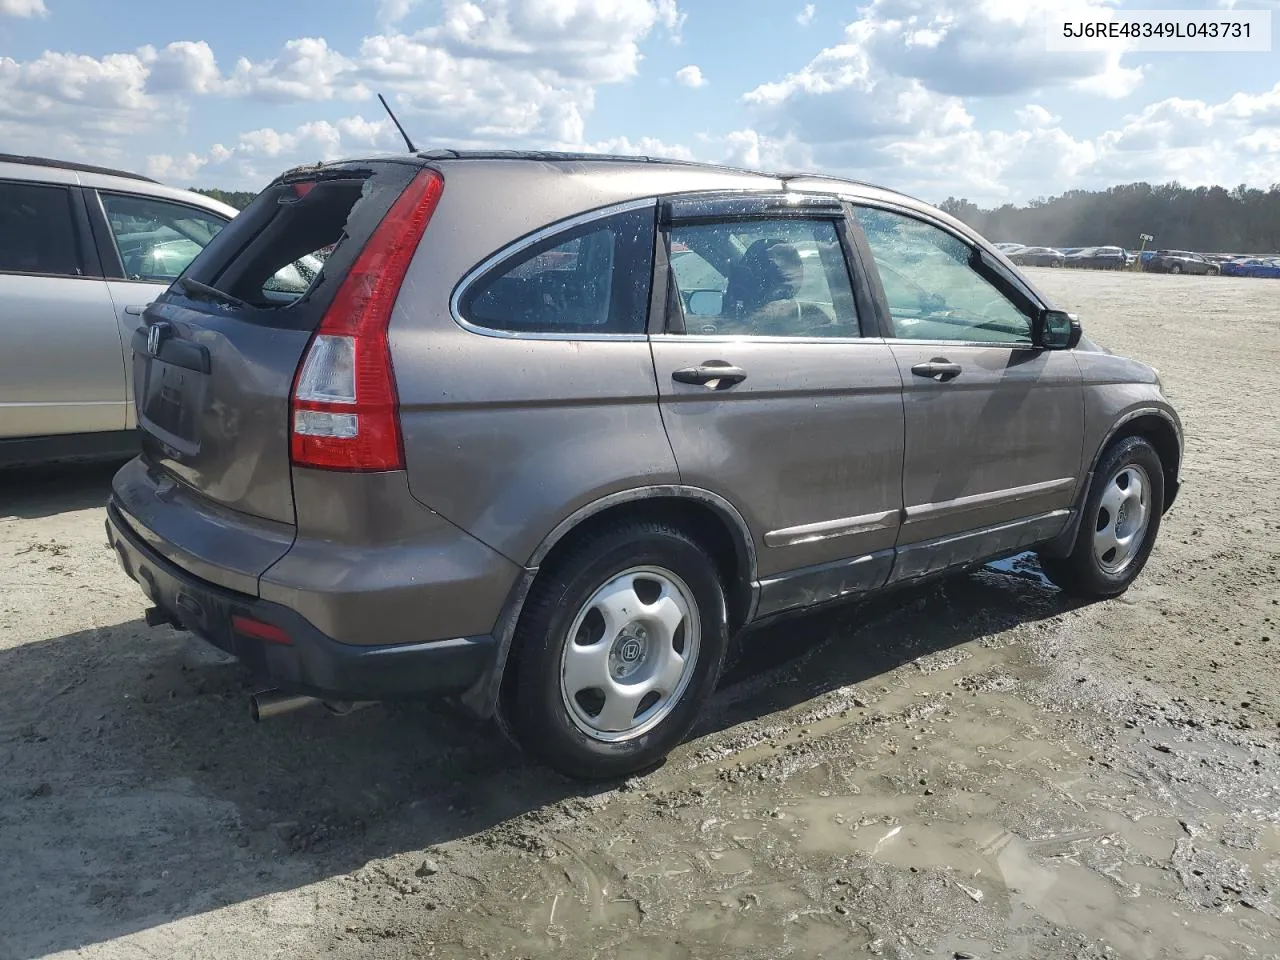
(933, 290)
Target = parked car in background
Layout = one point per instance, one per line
(511, 442)
(83, 250)
(1181, 261)
(1037, 257)
(1067, 251)
(1098, 258)
(1262, 267)
(1008, 248)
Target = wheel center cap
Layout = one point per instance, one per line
(629, 652)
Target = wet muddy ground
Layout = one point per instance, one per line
(976, 769)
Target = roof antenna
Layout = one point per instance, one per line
(408, 143)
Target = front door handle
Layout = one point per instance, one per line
(714, 374)
(134, 310)
(939, 368)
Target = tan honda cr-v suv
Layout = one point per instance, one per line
(546, 431)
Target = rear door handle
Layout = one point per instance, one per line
(939, 369)
(134, 310)
(714, 374)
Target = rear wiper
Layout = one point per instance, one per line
(202, 291)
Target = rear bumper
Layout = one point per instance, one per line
(311, 662)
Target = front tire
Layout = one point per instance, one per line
(1175, 269)
(619, 645)
(1119, 526)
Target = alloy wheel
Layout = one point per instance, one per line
(1124, 513)
(630, 653)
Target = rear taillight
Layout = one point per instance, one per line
(344, 409)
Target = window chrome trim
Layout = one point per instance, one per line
(529, 240)
(748, 338)
(997, 344)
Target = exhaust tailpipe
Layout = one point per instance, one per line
(274, 703)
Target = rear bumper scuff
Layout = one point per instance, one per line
(314, 663)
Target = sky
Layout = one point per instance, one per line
(938, 98)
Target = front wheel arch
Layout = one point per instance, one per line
(1158, 430)
(1160, 433)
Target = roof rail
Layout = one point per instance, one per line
(71, 165)
(562, 156)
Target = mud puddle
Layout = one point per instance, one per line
(952, 805)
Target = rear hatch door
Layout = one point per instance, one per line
(215, 358)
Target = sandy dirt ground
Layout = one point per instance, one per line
(975, 769)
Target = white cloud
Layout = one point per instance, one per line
(391, 12)
(23, 8)
(491, 72)
(691, 76)
(671, 17)
(1193, 141)
(805, 16)
(1113, 80)
(907, 65)
(643, 147)
(749, 148)
(259, 155)
(467, 98)
(184, 66)
(178, 171)
(306, 69)
(1033, 115)
(891, 100)
(572, 39)
(76, 106)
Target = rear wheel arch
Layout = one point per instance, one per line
(713, 522)
(710, 519)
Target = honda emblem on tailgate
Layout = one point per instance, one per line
(155, 336)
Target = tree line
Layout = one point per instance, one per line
(234, 198)
(1203, 219)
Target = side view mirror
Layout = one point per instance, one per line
(706, 303)
(1056, 330)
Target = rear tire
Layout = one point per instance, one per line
(619, 645)
(1175, 269)
(1119, 525)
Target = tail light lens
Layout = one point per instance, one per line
(344, 407)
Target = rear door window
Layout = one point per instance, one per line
(590, 279)
(157, 239)
(37, 231)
